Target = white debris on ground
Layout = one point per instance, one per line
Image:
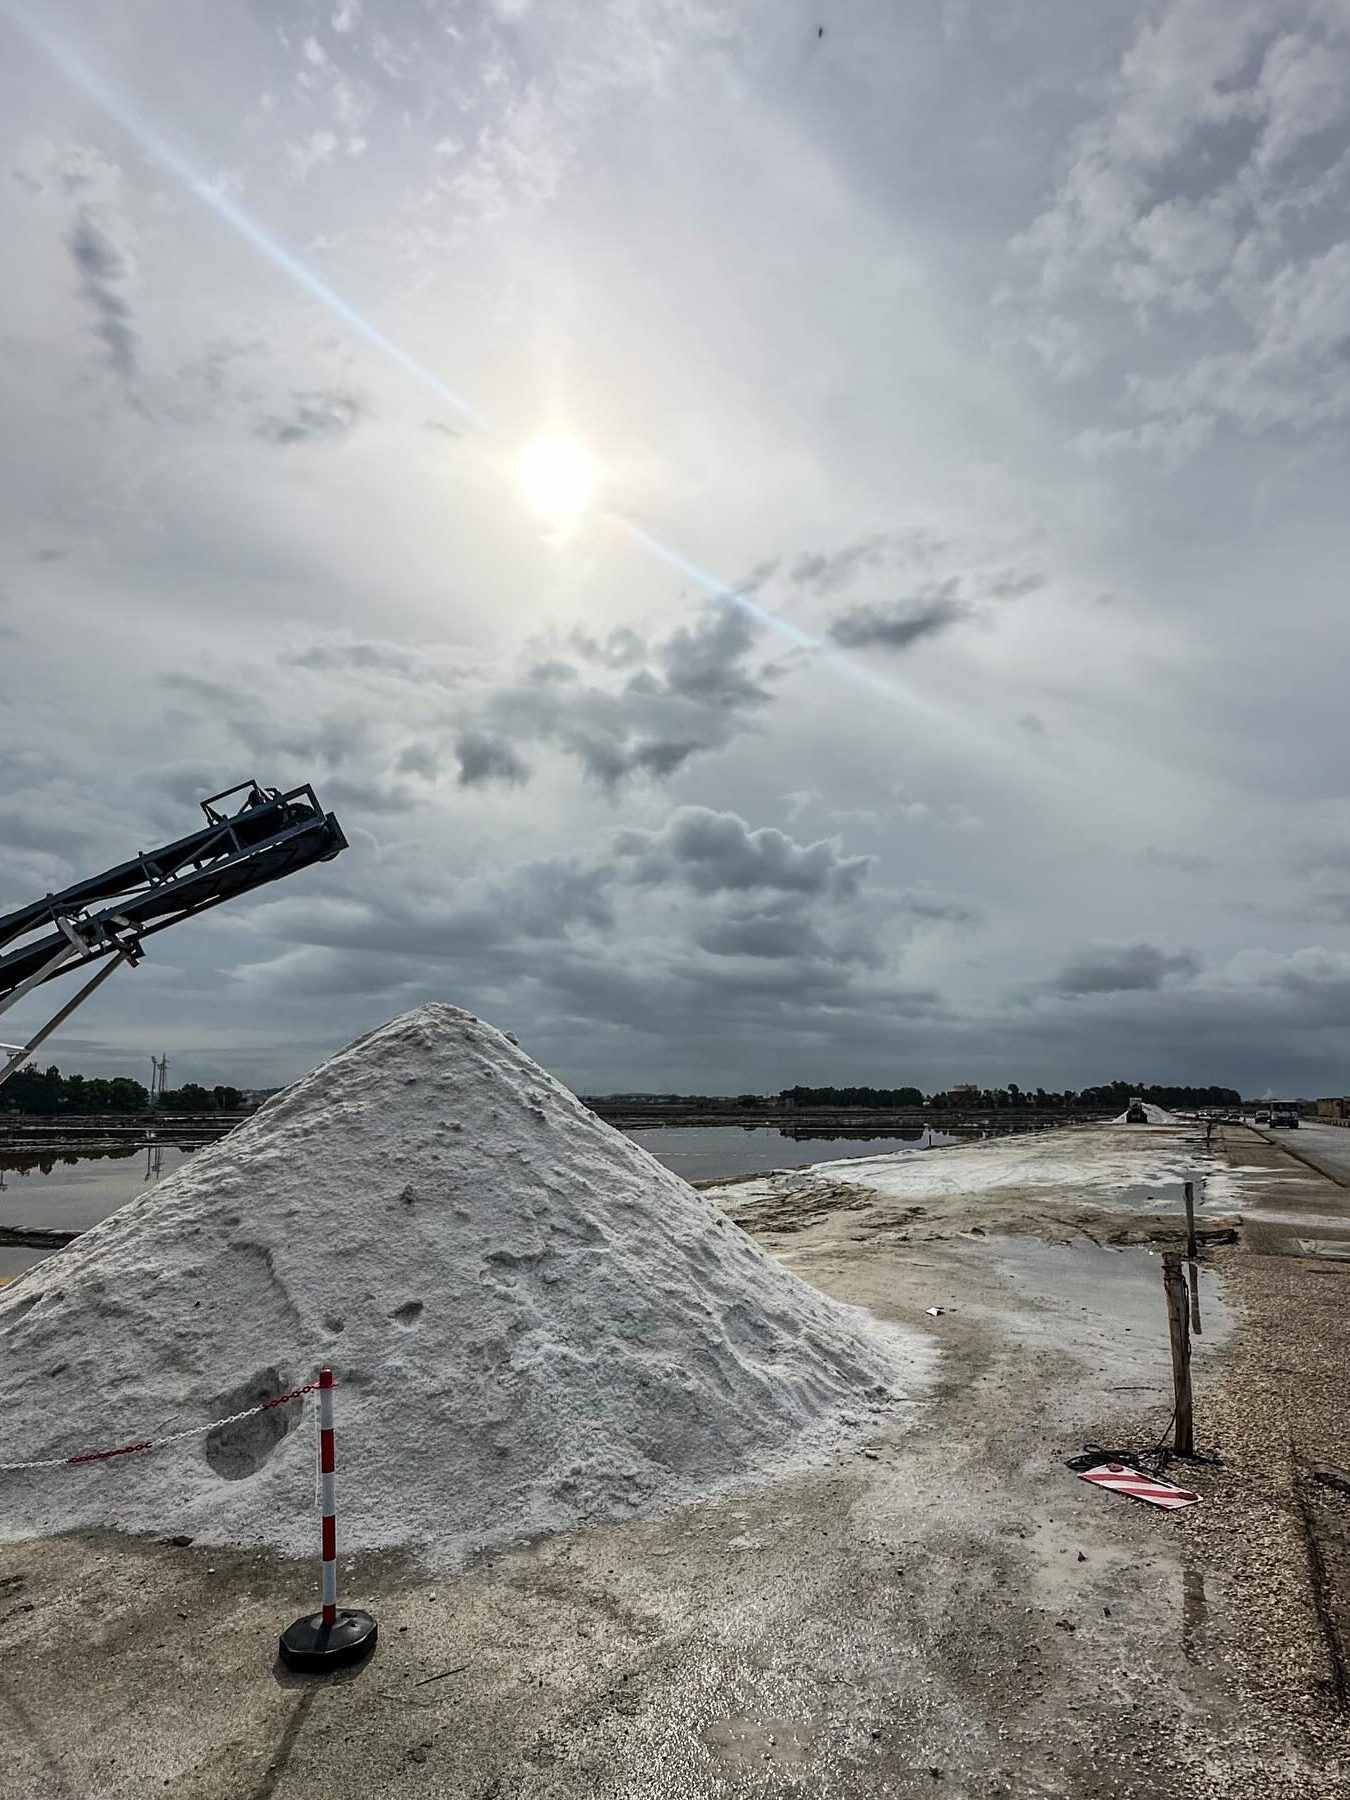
(1153, 1115)
(532, 1322)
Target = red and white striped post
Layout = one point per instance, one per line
(330, 1637)
(328, 1482)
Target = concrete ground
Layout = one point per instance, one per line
(946, 1610)
(1325, 1148)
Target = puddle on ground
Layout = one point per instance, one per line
(1103, 1306)
(1122, 1286)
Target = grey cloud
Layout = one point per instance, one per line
(693, 693)
(825, 571)
(1314, 859)
(934, 908)
(372, 795)
(33, 828)
(364, 655)
(762, 935)
(620, 648)
(1032, 724)
(898, 626)
(483, 759)
(1211, 185)
(1014, 584)
(420, 758)
(1120, 969)
(714, 852)
(104, 271)
(828, 571)
(704, 662)
(1187, 862)
(314, 416)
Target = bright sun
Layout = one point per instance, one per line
(558, 478)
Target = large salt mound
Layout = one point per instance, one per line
(1153, 1115)
(533, 1323)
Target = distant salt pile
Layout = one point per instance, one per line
(533, 1323)
(1153, 1115)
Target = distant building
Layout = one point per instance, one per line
(964, 1090)
(1333, 1109)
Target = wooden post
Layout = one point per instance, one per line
(1189, 1191)
(1192, 1253)
(1178, 1326)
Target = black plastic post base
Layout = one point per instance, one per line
(311, 1645)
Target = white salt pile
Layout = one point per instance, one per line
(1153, 1115)
(533, 1323)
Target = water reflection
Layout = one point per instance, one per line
(43, 1162)
(833, 1134)
(719, 1152)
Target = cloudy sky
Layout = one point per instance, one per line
(947, 679)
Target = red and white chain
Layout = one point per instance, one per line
(172, 1437)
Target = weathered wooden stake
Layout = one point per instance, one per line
(1178, 1326)
(1189, 1191)
(1192, 1253)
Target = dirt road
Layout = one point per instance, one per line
(945, 1611)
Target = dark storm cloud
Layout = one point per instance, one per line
(714, 852)
(104, 272)
(702, 924)
(483, 759)
(316, 416)
(1119, 969)
(899, 625)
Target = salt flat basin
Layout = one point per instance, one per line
(1135, 1166)
(1058, 1184)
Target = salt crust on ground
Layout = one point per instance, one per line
(1097, 1164)
(533, 1323)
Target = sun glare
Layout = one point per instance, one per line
(557, 476)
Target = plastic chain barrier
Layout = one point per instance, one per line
(172, 1437)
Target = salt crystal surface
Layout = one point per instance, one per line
(532, 1322)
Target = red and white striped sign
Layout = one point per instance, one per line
(1122, 1480)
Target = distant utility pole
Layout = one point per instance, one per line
(159, 1078)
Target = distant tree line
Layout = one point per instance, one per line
(1113, 1097)
(48, 1091)
(861, 1098)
